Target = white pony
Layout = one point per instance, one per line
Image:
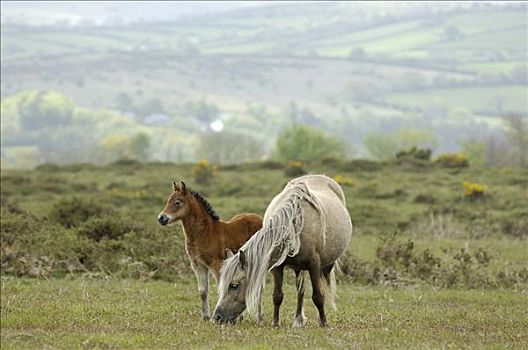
(306, 227)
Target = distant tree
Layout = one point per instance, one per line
(475, 150)
(412, 80)
(139, 146)
(451, 32)
(498, 152)
(301, 142)
(229, 147)
(40, 109)
(258, 111)
(519, 73)
(201, 110)
(24, 157)
(357, 53)
(123, 102)
(497, 101)
(407, 137)
(114, 147)
(381, 146)
(385, 146)
(461, 114)
(291, 112)
(517, 130)
(307, 117)
(151, 106)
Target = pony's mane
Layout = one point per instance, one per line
(206, 205)
(278, 239)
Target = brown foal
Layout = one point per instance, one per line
(207, 237)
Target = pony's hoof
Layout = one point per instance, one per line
(276, 324)
(299, 322)
(206, 318)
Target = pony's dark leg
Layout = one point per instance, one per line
(300, 319)
(278, 274)
(202, 276)
(327, 273)
(317, 296)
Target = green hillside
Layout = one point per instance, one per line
(342, 66)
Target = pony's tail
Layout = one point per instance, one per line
(328, 284)
(299, 282)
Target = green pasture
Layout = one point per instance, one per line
(129, 314)
(480, 22)
(136, 290)
(512, 98)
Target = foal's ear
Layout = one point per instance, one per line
(229, 253)
(174, 186)
(242, 259)
(183, 188)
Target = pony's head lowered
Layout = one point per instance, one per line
(232, 288)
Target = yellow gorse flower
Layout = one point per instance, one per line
(472, 190)
(344, 181)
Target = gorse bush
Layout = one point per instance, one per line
(102, 220)
(414, 153)
(452, 160)
(344, 181)
(72, 212)
(295, 168)
(203, 172)
(109, 227)
(398, 262)
(474, 190)
(105, 245)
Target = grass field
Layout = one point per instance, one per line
(511, 98)
(134, 288)
(130, 314)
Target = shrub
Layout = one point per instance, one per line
(204, 172)
(72, 212)
(295, 168)
(415, 153)
(452, 160)
(330, 161)
(47, 167)
(361, 165)
(424, 199)
(302, 142)
(97, 228)
(398, 263)
(438, 225)
(270, 164)
(474, 190)
(344, 181)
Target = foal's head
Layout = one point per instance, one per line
(177, 205)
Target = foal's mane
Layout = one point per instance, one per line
(206, 205)
(278, 239)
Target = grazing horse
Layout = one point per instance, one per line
(206, 236)
(306, 227)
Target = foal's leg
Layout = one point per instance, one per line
(202, 277)
(278, 273)
(300, 319)
(317, 296)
